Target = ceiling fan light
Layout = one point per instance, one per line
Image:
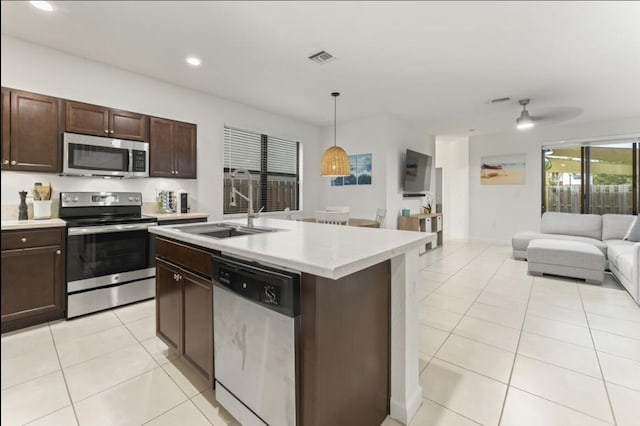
(524, 121)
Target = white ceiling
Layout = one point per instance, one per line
(436, 64)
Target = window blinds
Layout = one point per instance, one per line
(242, 150)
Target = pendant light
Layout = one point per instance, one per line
(524, 121)
(335, 161)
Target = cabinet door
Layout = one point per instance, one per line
(34, 132)
(128, 125)
(6, 126)
(32, 286)
(198, 322)
(168, 304)
(161, 162)
(87, 119)
(184, 138)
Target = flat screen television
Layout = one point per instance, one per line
(417, 172)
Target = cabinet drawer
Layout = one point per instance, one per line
(31, 238)
(185, 256)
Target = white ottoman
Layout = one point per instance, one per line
(567, 258)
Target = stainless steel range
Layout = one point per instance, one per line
(110, 252)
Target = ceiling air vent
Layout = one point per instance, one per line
(500, 100)
(321, 57)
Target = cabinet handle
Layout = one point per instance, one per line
(106, 131)
(13, 162)
(5, 162)
(23, 239)
(58, 251)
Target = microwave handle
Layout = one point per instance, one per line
(130, 165)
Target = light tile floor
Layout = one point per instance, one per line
(497, 347)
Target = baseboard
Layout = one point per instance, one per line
(405, 413)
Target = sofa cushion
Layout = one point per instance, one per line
(521, 240)
(625, 265)
(617, 248)
(581, 225)
(615, 226)
(633, 234)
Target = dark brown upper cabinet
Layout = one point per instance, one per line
(30, 132)
(172, 149)
(97, 120)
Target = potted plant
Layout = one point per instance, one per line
(428, 200)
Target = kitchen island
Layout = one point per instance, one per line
(358, 313)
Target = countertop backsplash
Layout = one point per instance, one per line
(10, 211)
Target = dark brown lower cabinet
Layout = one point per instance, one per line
(345, 342)
(184, 303)
(168, 304)
(32, 283)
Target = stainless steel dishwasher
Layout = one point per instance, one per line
(256, 318)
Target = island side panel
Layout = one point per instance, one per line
(345, 348)
(406, 393)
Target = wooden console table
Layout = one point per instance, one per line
(424, 223)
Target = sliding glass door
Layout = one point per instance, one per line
(595, 179)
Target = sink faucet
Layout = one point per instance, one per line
(249, 198)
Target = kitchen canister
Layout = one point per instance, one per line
(42, 209)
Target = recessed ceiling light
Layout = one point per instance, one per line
(192, 60)
(42, 5)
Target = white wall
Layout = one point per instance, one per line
(453, 157)
(42, 70)
(387, 139)
(498, 212)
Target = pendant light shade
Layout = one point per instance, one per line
(335, 161)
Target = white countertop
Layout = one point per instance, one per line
(176, 216)
(8, 225)
(329, 251)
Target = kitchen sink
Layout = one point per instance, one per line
(224, 230)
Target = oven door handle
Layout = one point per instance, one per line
(90, 230)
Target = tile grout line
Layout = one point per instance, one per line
(163, 370)
(467, 310)
(64, 377)
(560, 405)
(595, 349)
(515, 356)
(453, 411)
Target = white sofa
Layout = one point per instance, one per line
(605, 232)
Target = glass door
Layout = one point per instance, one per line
(611, 177)
(596, 179)
(562, 181)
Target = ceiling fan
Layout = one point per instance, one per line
(553, 115)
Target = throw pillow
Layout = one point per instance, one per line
(633, 234)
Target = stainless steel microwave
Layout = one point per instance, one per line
(97, 156)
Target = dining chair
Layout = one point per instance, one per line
(332, 218)
(380, 215)
(343, 209)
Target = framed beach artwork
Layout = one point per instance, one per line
(503, 169)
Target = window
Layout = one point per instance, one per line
(274, 167)
(592, 178)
